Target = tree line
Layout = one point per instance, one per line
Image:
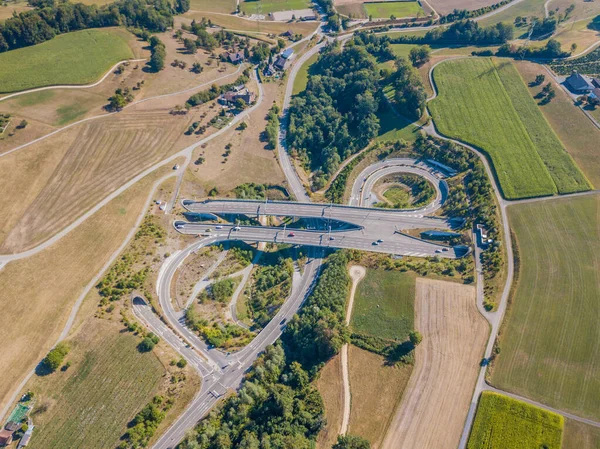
(50, 18)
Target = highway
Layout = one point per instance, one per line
(220, 372)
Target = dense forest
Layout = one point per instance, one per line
(277, 406)
(336, 115)
(51, 17)
(464, 32)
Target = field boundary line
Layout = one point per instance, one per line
(70, 86)
(76, 306)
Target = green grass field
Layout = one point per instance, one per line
(80, 57)
(504, 423)
(384, 305)
(268, 6)
(489, 106)
(398, 195)
(90, 404)
(550, 340)
(398, 8)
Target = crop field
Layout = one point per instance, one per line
(550, 340)
(97, 158)
(580, 436)
(267, 6)
(108, 382)
(437, 398)
(80, 57)
(502, 422)
(222, 6)
(523, 9)
(447, 6)
(375, 401)
(384, 305)
(577, 133)
(6, 9)
(52, 280)
(399, 9)
(488, 105)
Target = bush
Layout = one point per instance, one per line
(148, 343)
(182, 363)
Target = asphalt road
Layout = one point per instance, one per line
(361, 239)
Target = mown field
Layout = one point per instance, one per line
(398, 9)
(259, 26)
(90, 404)
(302, 76)
(580, 436)
(80, 57)
(384, 305)
(487, 104)
(502, 422)
(550, 339)
(267, 6)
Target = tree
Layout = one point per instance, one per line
(392, 17)
(158, 54)
(55, 357)
(190, 45)
(573, 47)
(415, 337)
(196, 67)
(419, 55)
(117, 102)
(351, 442)
(148, 343)
(539, 79)
(22, 124)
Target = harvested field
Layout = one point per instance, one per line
(354, 10)
(265, 27)
(527, 8)
(52, 280)
(577, 133)
(528, 158)
(108, 382)
(91, 160)
(6, 9)
(550, 337)
(330, 386)
(502, 422)
(580, 436)
(79, 57)
(435, 404)
(249, 160)
(376, 390)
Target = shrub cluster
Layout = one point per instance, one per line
(55, 357)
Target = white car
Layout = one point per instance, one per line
(218, 227)
(237, 228)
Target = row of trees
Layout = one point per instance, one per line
(50, 19)
(464, 32)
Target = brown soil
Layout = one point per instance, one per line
(437, 398)
(330, 386)
(189, 274)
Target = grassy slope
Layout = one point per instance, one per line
(80, 57)
(473, 106)
(222, 6)
(502, 422)
(550, 339)
(268, 6)
(263, 26)
(398, 9)
(384, 304)
(92, 402)
(566, 175)
(302, 77)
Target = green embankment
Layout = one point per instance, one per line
(550, 340)
(384, 305)
(489, 106)
(80, 57)
(502, 423)
(398, 9)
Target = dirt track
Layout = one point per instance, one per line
(436, 400)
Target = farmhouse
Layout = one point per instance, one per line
(6, 437)
(229, 98)
(284, 59)
(236, 58)
(579, 84)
